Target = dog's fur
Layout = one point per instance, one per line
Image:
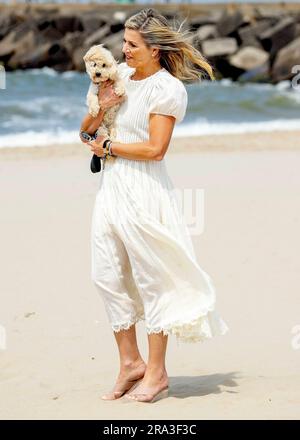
(101, 66)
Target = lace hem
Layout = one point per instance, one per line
(127, 325)
(197, 330)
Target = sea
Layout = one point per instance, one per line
(40, 107)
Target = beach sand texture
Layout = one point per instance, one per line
(61, 355)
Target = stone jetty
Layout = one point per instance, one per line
(248, 42)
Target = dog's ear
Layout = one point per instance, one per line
(87, 55)
(93, 52)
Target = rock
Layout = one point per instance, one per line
(259, 74)
(229, 22)
(114, 43)
(219, 47)
(7, 47)
(7, 21)
(23, 47)
(48, 30)
(261, 12)
(44, 11)
(297, 30)
(201, 20)
(285, 59)
(97, 37)
(91, 23)
(206, 32)
(235, 38)
(296, 15)
(248, 35)
(116, 27)
(226, 70)
(73, 40)
(28, 46)
(51, 54)
(67, 23)
(58, 57)
(77, 58)
(121, 16)
(249, 58)
(278, 36)
(22, 38)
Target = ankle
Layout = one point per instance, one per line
(131, 363)
(159, 372)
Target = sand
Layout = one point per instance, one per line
(60, 352)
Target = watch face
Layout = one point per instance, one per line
(87, 136)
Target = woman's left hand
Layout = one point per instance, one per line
(96, 146)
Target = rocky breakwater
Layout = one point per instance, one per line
(243, 42)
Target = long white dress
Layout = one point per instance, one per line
(143, 261)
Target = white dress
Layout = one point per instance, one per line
(143, 261)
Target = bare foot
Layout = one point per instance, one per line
(127, 377)
(152, 384)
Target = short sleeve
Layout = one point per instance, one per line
(169, 97)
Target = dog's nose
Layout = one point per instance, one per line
(98, 74)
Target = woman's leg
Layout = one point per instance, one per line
(111, 273)
(132, 365)
(128, 349)
(156, 366)
(155, 378)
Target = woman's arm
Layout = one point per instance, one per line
(135, 151)
(91, 124)
(160, 133)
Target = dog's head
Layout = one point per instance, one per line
(100, 64)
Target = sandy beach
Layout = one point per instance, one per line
(61, 354)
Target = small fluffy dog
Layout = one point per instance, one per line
(101, 66)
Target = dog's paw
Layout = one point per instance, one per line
(119, 89)
(94, 110)
(93, 113)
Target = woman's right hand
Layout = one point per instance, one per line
(107, 96)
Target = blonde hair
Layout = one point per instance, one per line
(176, 53)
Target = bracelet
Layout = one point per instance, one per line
(110, 152)
(105, 147)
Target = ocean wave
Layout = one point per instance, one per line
(204, 127)
(44, 70)
(32, 138)
(43, 107)
(201, 127)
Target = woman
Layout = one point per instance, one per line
(143, 261)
